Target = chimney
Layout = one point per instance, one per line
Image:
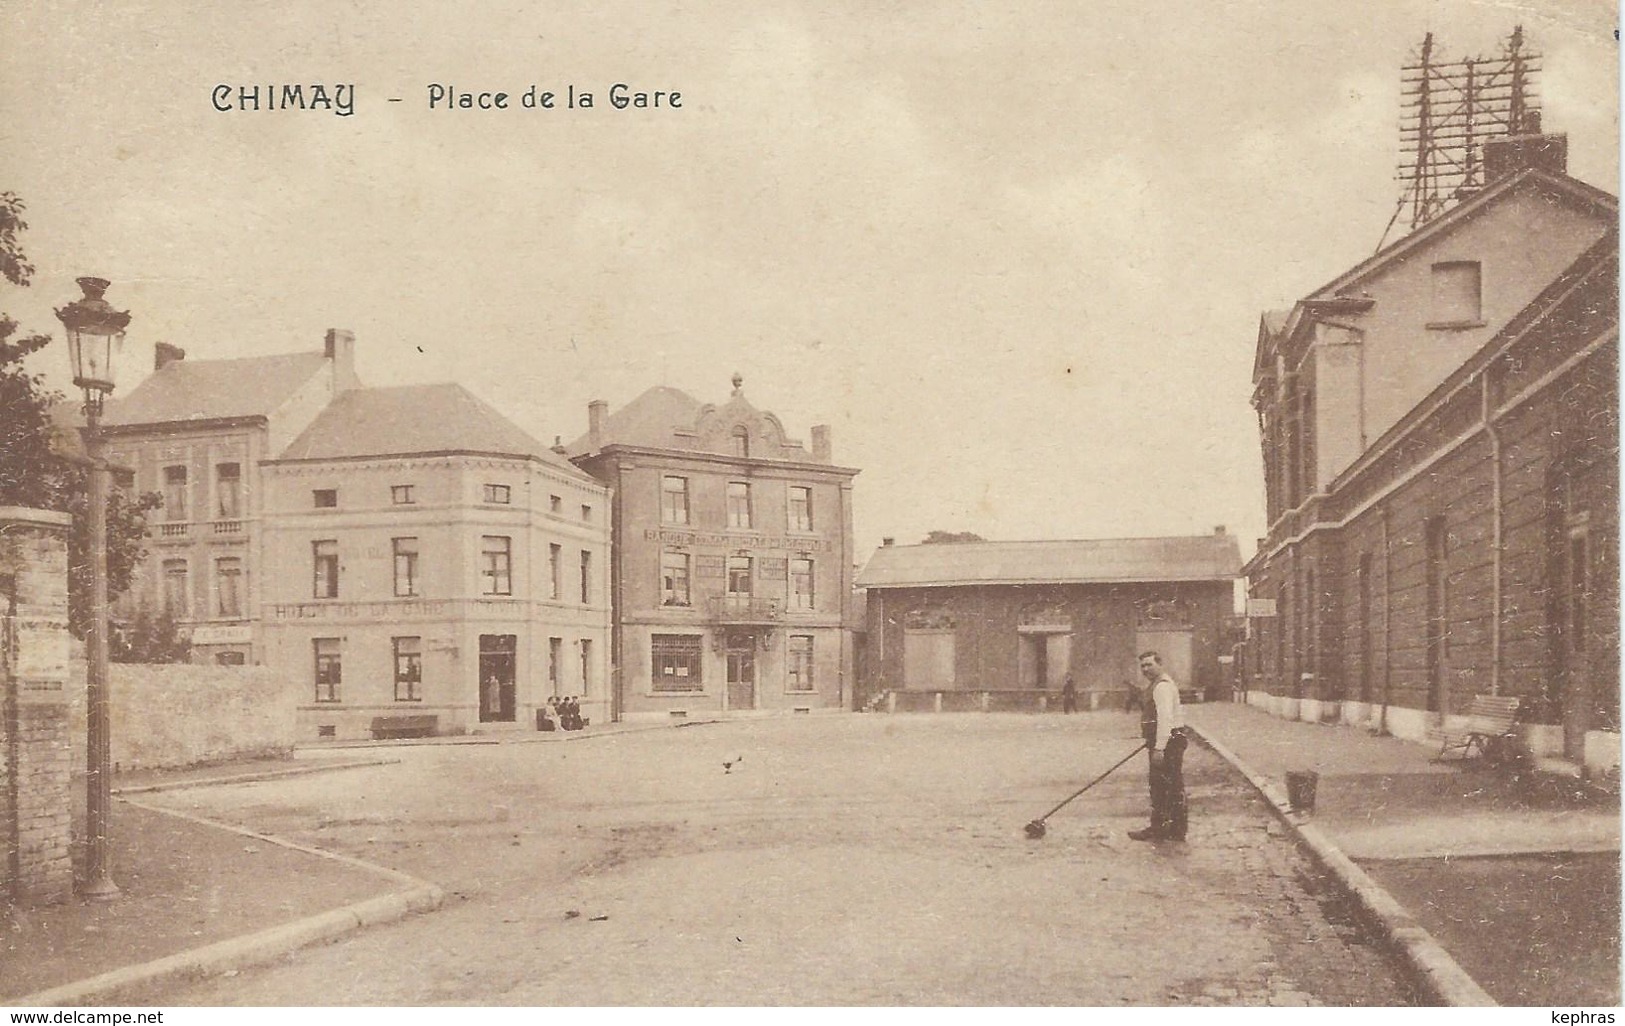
(558, 445)
(164, 353)
(887, 542)
(596, 411)
(1218, 532)
(820, 440)
(1510, 154)
(340, 348)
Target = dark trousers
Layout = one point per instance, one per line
(1168, 814)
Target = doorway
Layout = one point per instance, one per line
(741, 656)
(1043, 658)
(497, 674)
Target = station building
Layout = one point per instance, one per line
(1441, 444)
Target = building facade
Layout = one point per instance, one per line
(424, 557)
(1002, 625)
(731, 566)
(412, 558)
(196, 432)
(1440, 437)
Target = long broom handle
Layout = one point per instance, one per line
(1091, 783)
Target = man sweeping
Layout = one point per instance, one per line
(1162, 723)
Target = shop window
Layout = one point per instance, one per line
(675, 659)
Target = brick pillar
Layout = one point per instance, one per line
(35, 801)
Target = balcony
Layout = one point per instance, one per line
(745, 609)
(176, 530)
(228, 527)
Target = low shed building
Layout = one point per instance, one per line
(1000, 625)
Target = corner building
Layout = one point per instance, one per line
(732, 558)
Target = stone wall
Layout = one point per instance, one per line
(35, 825)
(172, 715)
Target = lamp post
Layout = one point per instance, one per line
(94, 330)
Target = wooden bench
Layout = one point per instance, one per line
(1489, 718)
(417, 725)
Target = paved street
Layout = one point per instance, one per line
(867, 860)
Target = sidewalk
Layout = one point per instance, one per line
(184, 886)
(1517, 879)
(203, 896)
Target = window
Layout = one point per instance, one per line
(801, 662)
(498, 493)
(586, 666)
(175, 597)
(555, 504)
(800, 508)
(739, 575)
(674, 579)
(586, 577)
(496, 565)
(406, 565)
(674, 500)
(174, 493)
(674, 661)
(402, 495)
(326, 559)
(555, 571)
(1437, 627)
(228, 580)
(408, 669)
(586, 513)
(124, 478)
(228, 487)
(230, 659)
(555, 663)
(741, 441)
(738, 504)
(329, 668)
(1457, 294)
(801, 584)
(325, 498)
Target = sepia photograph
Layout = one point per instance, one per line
(567, 504)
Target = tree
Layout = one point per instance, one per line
(150, 638)
(951, 538)
(33, 468)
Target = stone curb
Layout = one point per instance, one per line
(523, 737)
(1437, 973)
(240, 952)
(254, 948)
(248, 778)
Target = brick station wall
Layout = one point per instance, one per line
(179, 714)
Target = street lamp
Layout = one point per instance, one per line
(95, 330)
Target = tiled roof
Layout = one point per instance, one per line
(215, 389)
(652, 419)
(1211, 557)
(414, 419)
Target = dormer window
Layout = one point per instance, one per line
(741, 441)
(1457, 295)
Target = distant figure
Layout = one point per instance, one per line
(544, 722)
(1069, 696)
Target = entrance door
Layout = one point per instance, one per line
(741, 671)
(1175, 649)
(497, 666)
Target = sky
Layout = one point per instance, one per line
(1014, 254)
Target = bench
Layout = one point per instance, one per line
(1489, 718)
(417, 725)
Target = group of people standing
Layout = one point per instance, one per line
(565, 711)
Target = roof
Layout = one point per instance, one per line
(414, 419)
(185, 390)
(1209, 557)
(651, 420)
(1560, 186)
